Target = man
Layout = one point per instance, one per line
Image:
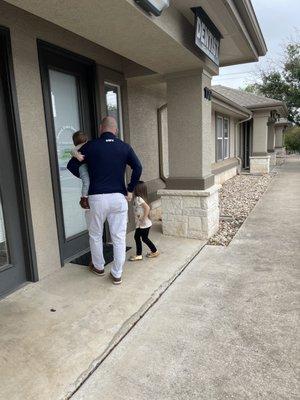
(106, 158)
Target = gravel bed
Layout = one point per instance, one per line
(237, 198)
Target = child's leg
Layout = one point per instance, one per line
(85, 178)
(147, 241)
(138, 242)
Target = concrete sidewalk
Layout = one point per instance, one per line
(227, 327)
(45, 355)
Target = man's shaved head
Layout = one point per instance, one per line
(109, 124)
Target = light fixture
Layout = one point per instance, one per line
(155, 7)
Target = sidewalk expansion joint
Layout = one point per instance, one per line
(127, 326)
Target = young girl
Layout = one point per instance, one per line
(142, 222)
(79, 139)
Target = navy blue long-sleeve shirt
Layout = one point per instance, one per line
(106, 158)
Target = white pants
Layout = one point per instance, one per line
(112, 207)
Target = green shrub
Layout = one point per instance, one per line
(292, 139)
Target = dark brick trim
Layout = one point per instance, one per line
(153, 186)
(259, 154)
(191, 183)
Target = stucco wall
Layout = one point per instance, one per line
(213, 136)
(260, 132)
(143, 102)
(232, 136)
(238, 140)
(25, 29)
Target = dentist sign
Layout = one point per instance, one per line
(207, 36)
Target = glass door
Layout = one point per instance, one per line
(66, 118)
(12, 257)
(68, 88)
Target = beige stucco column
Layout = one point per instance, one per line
(271, 136)
(279, 136)
(271, 143)
(190, 201)
(260, 159)
(279, 140)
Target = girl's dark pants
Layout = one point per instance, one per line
(141, 234)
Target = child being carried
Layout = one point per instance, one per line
(79, 139)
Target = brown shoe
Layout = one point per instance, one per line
(152, 255)
(99, 272)
(84, 203)
(116, 281)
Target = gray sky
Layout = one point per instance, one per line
(279, 20)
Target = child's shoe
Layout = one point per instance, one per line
(135, 258)
(152, 255)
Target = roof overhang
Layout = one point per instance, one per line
(223, 104)
(236, 20)
(162, 44)
(247, 13)
(278, 106)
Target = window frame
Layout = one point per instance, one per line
(218, 137)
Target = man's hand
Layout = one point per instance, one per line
(129, 196)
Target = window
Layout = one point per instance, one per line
(113, 104)
(225, 138)
(222, 138)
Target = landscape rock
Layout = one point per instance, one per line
(237, 198)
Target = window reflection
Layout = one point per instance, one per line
(3, 245)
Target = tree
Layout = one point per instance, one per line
(283, 82)
(292, 139)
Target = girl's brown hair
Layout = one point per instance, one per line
(141, 191)
(79, 137)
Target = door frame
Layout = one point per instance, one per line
(14, 126)
(94, 107)
(246, 135)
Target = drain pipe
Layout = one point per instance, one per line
(239, 167)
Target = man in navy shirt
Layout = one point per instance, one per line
(106, 158)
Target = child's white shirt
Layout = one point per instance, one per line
(139, 212)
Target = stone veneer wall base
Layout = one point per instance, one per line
(225, 175)
(190, 213)
(260, 164)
